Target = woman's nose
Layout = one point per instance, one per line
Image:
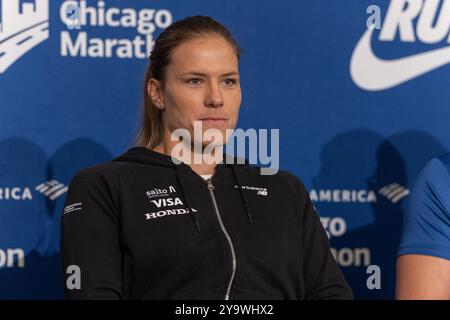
(214, 97)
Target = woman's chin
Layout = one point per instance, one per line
(212, 143)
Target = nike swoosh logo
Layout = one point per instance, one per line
(374, 74)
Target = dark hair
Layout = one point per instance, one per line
(151, 131)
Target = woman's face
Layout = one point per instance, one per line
(202, 84)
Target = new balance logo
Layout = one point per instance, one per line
(394, 192)
(23, 25)
(262, 192)
(259, 190)
(413, 20)
(52, 189)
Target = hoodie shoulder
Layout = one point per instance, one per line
(292, 182)
(106, 173)
(111, 169)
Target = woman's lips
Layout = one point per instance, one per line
(213, 122)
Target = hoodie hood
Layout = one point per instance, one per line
(146, 156)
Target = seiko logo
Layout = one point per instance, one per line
(372, 73)
(22, 27)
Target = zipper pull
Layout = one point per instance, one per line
(210, 185)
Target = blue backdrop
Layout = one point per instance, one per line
(360, 111)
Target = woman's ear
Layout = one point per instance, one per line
(154, 90)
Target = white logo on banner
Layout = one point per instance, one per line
(349, 257)
(52, 189)
(10, 258)
(394, 192)
(22, 27)
(15, 193)
(98, 15)
(25, 23)
(372, 73)
(343, 195)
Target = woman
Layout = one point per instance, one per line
(144, 227)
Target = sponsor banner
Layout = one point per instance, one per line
(359, 111)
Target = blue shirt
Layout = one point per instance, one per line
(426, 226)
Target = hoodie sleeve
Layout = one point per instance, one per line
(90, 249)
(322, 276)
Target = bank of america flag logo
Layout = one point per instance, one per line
(23, 25)
(52, 189)
(394, 192)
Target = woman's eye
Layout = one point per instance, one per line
(194, 81)
(230, 82)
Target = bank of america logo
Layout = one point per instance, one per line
(23, 25)
(394, 192)
(52, 189)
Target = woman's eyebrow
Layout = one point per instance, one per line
(194, 73)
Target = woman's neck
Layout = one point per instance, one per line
(166, 147)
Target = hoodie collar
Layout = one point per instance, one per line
(144, 155)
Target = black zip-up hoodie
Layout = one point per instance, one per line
(142, 227)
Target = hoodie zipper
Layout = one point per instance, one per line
(233, 254)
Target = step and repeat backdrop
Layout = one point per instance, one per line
(360, 111)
